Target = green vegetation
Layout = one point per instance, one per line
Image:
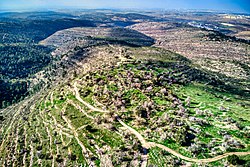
(21, 55)
(119, 104)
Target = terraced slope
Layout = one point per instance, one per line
(210, 50)
(128, 107)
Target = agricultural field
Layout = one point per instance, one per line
(136, 109)
(114, 88)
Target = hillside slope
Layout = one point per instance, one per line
(210, 50)
(128, 106)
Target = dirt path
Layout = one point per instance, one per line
(80, 109)
(138, 135)
(76, 135)
(31, 155)
(219, 157)
(84, 151)
(148, 145)
(77, 95)
(153, 144)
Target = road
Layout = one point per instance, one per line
(148, 145)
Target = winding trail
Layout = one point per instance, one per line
(219, 157)
(77, 95)
(144, 143)
(148, 145)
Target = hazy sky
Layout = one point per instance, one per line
(232, 5)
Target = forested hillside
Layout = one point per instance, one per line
(20, 54)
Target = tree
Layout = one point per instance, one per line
(235, 160)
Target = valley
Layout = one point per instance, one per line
(144, 92)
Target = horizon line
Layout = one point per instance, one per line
(117, 8)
